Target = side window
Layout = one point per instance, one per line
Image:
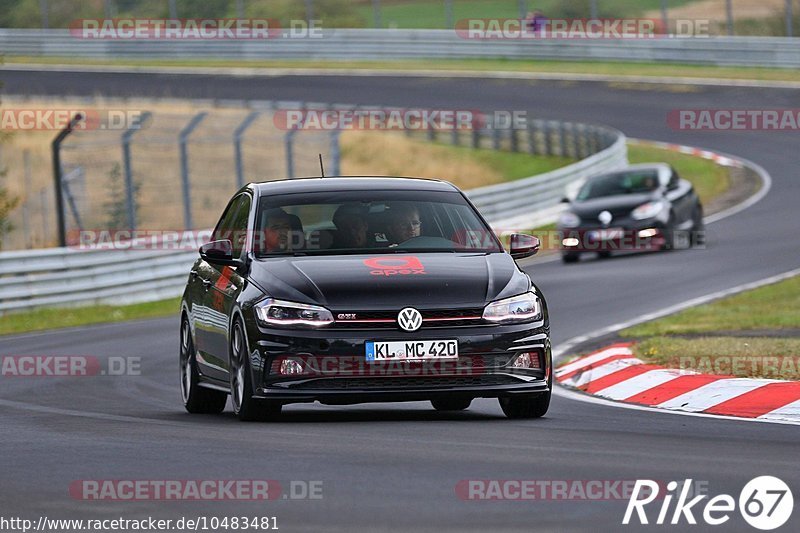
(233, 224)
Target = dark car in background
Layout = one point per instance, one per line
(350, 290)
(642, 207)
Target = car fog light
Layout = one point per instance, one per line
(647, 233)
(570, 241)
(291, 367)
(526, 360)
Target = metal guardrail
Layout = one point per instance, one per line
(341, 44)
(68, 276)
(530, 202)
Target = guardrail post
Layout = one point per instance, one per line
(789, 18)
(448, 14)
(336, 154)
(57, 171)
(476, 138)
(495, 137)
(532, 148)
(376, 12)
(237, 146)
(576, 140)
(514, 139)
(130, 189)
(729, 15)
(187, 190)
(548, 139)
(562, 139)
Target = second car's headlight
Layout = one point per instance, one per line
(522, 308)
(569, 220)
(648, 210)
(274, 312)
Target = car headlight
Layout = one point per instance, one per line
(648, 210)
(569, 220)
(522, 308)
(274, 312)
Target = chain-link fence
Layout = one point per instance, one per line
(172, 169)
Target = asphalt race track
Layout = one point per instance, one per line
(396, 466)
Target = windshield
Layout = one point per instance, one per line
(619, 183)
(369, 222)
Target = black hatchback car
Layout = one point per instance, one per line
(359, 289)
(640, 208)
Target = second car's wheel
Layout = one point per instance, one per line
(245, 406)
(570, 258)
(451, 404)
(698, 228)
(605, 254)
(196, 399)
(526, 405)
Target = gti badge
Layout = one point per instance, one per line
(605, 218)
(409, 319)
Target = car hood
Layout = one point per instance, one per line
(388, 281)
(618, 205)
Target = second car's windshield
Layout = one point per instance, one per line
(369, 221)
(619, 183)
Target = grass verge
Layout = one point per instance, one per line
(601, 68)
(45, 319)
(752, 334)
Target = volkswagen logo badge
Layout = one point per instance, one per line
(605, 218)
(409, 319)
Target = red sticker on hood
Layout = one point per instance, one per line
(405, 265)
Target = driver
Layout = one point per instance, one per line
(277, 230)
(404, 223)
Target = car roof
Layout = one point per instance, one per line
(662, 170)
(351, 183)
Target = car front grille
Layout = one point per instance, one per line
(441, 318)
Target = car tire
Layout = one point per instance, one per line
(196, 399)
(451, 404)
(246, 408)
(604, 255)
(526, 405)
(669, 234)
(570, 258)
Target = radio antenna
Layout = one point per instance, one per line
(321, 166)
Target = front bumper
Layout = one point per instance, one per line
(633, 236)
(336, 370)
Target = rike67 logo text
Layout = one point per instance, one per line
(765, 503)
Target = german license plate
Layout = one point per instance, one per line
(411, 350)
(605, 234)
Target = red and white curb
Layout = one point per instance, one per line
(616, 374)
(720, 159)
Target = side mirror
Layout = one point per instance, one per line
(219, 252)
(523, 245)
(565, 200)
